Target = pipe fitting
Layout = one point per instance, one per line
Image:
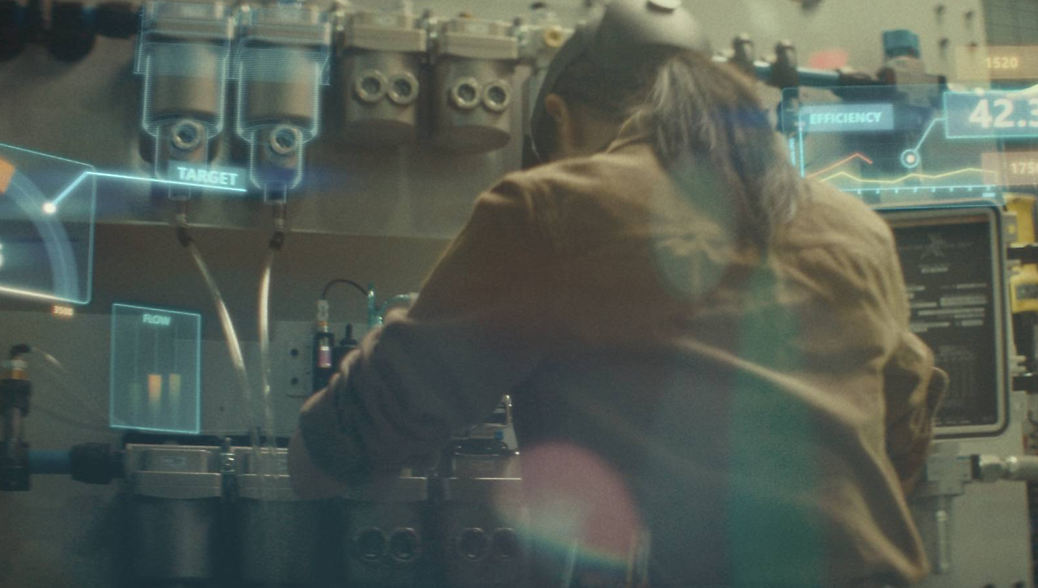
(465, 93)
(403, 89)
(497, 96)
(370, 86)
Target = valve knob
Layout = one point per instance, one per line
(71, 35)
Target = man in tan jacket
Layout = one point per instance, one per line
(701, 347)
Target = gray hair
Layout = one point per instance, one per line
(700, 115)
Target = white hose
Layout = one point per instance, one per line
(264, 346)
(233, 346)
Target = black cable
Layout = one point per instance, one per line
(328, 286)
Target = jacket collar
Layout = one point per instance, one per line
(633, 130)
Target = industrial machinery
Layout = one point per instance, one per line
(184, 56)
(199, 465)
(380, 60)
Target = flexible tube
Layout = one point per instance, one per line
(233, 346)
(267, 464)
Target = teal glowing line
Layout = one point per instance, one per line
(41, 295)
(155, 429)
(154, 309)
(6, 146)
(933, 123)
(80, 179)
(71, 187)
(913, 189)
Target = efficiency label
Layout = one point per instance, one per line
(847, 118)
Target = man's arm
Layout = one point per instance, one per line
(477, 330)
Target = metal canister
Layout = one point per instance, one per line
(384, 533)
(174, 503)
(379, 68)
(184, 58)
(473, 76)
(478, 523)
(281, 63)
(184, 55)
(279, 536)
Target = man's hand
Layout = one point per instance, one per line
(308, 481)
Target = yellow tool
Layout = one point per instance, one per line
(1023, 283)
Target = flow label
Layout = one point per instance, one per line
(844, 118)
(156, 319)
(207, 176)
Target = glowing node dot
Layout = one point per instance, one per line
(50, 208)
(910, 159)
(1022, 124)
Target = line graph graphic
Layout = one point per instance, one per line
(839, 163)
(900, 182)
(888, 149)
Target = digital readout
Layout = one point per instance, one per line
(991, 114)
(1014, 168)
(997, 62)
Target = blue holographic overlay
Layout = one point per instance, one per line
(156, 359)
(893, 144)
(47, 217)
(228, 178)
(848, 118)
(992, 114)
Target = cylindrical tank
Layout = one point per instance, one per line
(185, 80)
(281, 66)
(174, 503)
(185, 59)
(279, 536)
(478, 522)
(280, 86)
(384, 533)
(473, 93)
(379, 69)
